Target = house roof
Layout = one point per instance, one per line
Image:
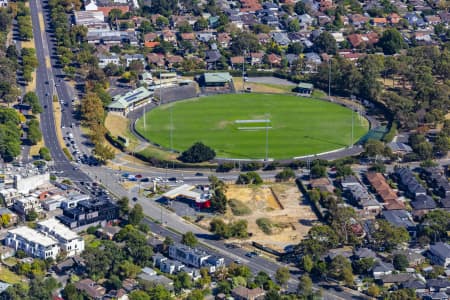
(246, 293)
(125, 100)
(423, 202)
(441, 250)
(400, 218)
(305, 85)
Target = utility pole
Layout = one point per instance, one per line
(267, 137)
(160, 87)
(329, 79)
(171, 127)
(243, 73)
(353, 122)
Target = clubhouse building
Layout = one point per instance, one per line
(123, 104)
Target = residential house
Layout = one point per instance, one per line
(171, 266)
(224, 39)
(263, 38)
(433, 19)
(91, 288)
(68, 240)
(435, 296)
(379, 21)
(205, 36)
(133, 57)
(173, 60)
(256, 58)
(399, 148)
(305, 21)
(414, 19)
(312, 61)
(414, 258)
(24, 205)
(156, 59)
(104, 60)
(120, 294)
(382, 269)
(400, 218)
(358, 20)
(281, 38)
(325, 5)
(237, 61)
(32, 242)
(274, 60)
(438, 285)
(243, 293)
(438, 180)
(439, 254)
(9, 196)
(361, 253)
(13, 218)
(416, 284)
(90, 5)
(397, 279)
(422, 205)
(393, 18)
(409, 182)
(169, 36)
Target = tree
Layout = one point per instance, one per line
(282, 275)
(31, 216)
(305, 287)
(102, 151)
(249, 178)
(217, 226)
(34, 134)
(285, 175)
(391, 41)
(389, 236)
(139, 295)
(400, 262)
(325, 43)
(128, 270)
(201, 24)
(373, 290)
(198, 152)
(189, 239)
(32, 99)
(363, 265)
(295, 48)
(196, 295)
(182, 281)
(300, 8)
(293, 25)
(70, 292)
(244, 41)
(318, 171)
(123, 205)
(307, 263)
(402, 294)
(136, 215)
(441, 145)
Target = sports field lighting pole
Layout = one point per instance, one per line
(267, 137)
(329, 79)
(171, 128)
(243, 72)
(353, 122)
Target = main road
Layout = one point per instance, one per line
(50, 82)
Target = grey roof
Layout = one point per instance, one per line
(281, 38)
(399, 147)
(212, 55)
(365, 253)
(383, 267)
(413, 284)
(397, 278)
(441, 250)
(423, 202)
(400, 218)
(438, 283)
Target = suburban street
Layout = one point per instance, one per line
(50, 80)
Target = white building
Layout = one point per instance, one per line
(90, 5)
(104, 60)
(27, 182)
(32, 242)
(24, 205)
(69, 241)
(73, 200)
(9, 196)
(132, 57)
(3, 3)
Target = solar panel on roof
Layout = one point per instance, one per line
(131, 98)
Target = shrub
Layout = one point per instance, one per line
(198, 152)
(265, 225)
(239, 208)
(45, 154)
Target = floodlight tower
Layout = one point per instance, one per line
(329, 79)
(353, 121)
(267, 136)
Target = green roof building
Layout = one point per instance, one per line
(125, 103)
(217, 79)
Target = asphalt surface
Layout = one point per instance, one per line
(50, 80)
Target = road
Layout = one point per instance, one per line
(49, 82)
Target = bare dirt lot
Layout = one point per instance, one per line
(282, 204)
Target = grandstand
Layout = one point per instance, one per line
(123, 104)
